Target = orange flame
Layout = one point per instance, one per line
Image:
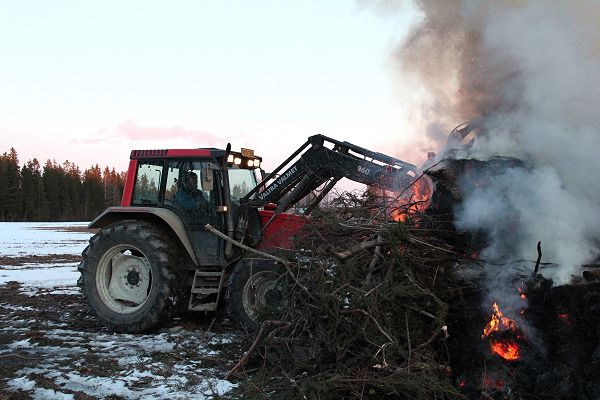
(498, 320)
(506, 348)
(415, 199)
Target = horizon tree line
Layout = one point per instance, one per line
(55, 192)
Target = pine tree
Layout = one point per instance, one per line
(236, 191)
(52, 178)
(120, 186)
(33, 205)
(108, 187)
(113, 187)
(27, 191)
(40, 203)
(66, 207)
(73, 210)
(3, 184)
(93, 192)
(10, 182)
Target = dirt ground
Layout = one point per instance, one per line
(33, 259)
(51, 346)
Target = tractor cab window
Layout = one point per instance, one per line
(241, 181)
(147, 183)
(189, 190)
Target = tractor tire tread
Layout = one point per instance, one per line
(164, 256)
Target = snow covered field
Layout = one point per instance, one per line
(42, 238)
(51, 347)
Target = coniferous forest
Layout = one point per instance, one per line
(55, 192)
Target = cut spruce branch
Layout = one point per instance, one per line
(223, 236)
(367, 244)
(264, 328)
(379, 292)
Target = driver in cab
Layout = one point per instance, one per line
(189, 197)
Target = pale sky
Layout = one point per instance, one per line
(89, 81)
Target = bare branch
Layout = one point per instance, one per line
(263, 329)
(285, 263)
(361, 246)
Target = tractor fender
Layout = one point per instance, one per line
(161, 216)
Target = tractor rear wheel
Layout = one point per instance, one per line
(131, 276)
(256, 287)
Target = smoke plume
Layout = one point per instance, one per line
(527, 72)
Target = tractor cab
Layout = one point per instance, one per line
(184, 190)
(191, 184)
(160, 177)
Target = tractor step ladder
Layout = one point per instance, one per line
(205, 291)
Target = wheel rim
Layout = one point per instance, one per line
(262, 289)
(124, 279)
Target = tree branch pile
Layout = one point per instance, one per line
(373, 321)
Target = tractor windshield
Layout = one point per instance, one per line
(241, 181)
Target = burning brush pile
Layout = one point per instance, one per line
(394, 302)
(540, 342)
(515, 333)
(367, 311)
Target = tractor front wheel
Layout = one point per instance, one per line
(130, 275)
(256, 287)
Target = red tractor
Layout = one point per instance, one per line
(154, 255)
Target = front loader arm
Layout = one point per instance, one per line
(315, 164)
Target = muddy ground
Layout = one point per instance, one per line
(51, 346)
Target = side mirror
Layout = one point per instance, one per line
(207, 179)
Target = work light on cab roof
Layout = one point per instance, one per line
(244, 158)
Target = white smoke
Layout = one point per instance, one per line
(529, 72)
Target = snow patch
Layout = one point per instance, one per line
(49, 394)
(43, 275)
(26, 239)
(11, 307)
(22, 344)
(21, 383)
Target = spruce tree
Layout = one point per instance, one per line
(10, 182)
(93, 192)
(52, 179)
(73, 192)
(27, 191)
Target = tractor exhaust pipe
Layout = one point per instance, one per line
(227, 201)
